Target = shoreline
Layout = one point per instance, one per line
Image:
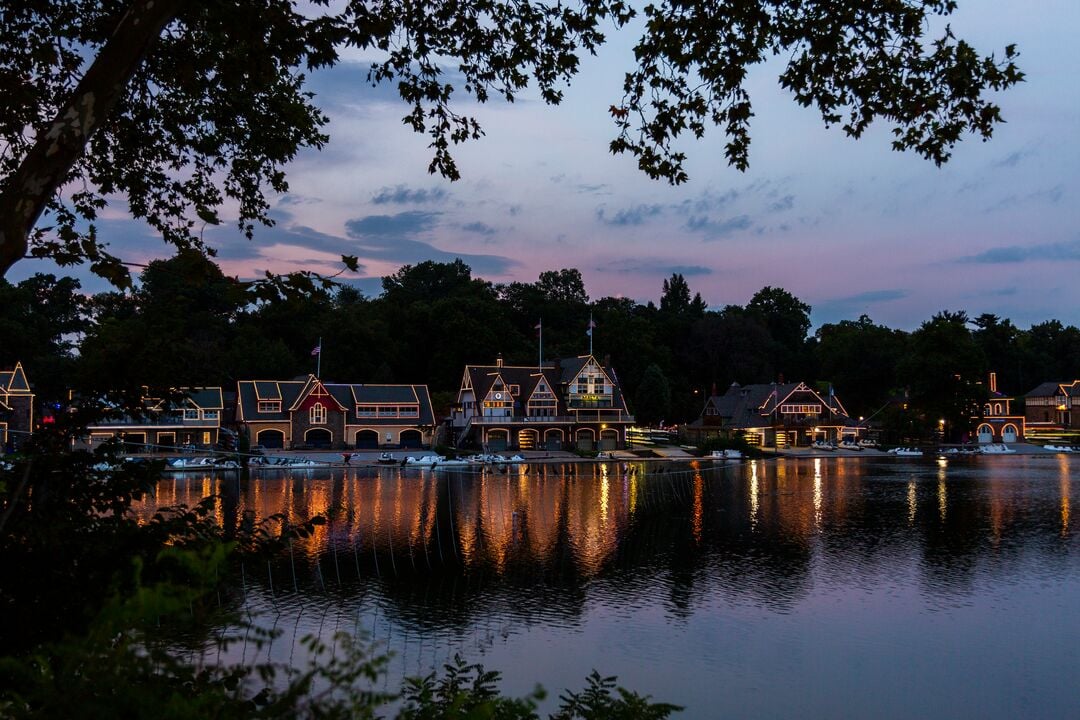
(369, 458)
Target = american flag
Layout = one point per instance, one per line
(316, 350)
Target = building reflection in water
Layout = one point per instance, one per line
(701, 569)
(576, 521)
(1064, 483)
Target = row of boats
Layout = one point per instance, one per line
(440, 461)
(988, 449)
(830, 446)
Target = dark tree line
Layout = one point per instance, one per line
(188, 324)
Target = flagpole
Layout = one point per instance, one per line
(591, 326)
(540, 327)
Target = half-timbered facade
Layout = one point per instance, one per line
(775, 415)
(571, 403)
(190, 419)
(310, 413)
(16, 409)
(1049, 410)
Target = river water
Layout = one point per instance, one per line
(810, 588)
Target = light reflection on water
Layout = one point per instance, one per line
(833, 587)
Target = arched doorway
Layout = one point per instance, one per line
(367, 440)
(319, 438)
(528, 439)
(1009, 434)
(986, 434)
(270, 439)
(586, 438)
(553, 439)
(498, 440)
(411, 439)
(609, 439)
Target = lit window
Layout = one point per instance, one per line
(318, 414)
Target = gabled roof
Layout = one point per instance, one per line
(482, 378)
(311, 386)
(752, 405)
(347, 397)
(1046, 389)
(370, 394)
(397, 395)
(207, 398)
(14, 381)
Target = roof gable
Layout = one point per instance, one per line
(314, 388)
(14, 381)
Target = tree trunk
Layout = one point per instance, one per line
(58, 147)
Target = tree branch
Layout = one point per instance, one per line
(58, 146)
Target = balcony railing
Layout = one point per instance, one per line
(523, 419)
(542, 419)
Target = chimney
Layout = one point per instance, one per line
(498, 360)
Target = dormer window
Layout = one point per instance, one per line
(318, 414)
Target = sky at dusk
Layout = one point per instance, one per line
(850, 227)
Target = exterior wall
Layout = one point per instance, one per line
(384, 431)
(335, 421)
(154, 437)
(254, 428)
(16, 424)
(999, 430)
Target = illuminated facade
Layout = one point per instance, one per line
(309, 413)
(193, 419)
(774, 415)
(1048, 409)
(16, 409)
(1000, 421)
(572, 403)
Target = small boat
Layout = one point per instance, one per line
(823, 445)
(1060, 448)
(996, 449)
(203, 463)
(725, 455)
(387, 459)
(850, 445)
(427, 460)
(907, 452)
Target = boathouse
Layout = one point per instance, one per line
(561, 404)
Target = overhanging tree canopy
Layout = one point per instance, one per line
(181, 105)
